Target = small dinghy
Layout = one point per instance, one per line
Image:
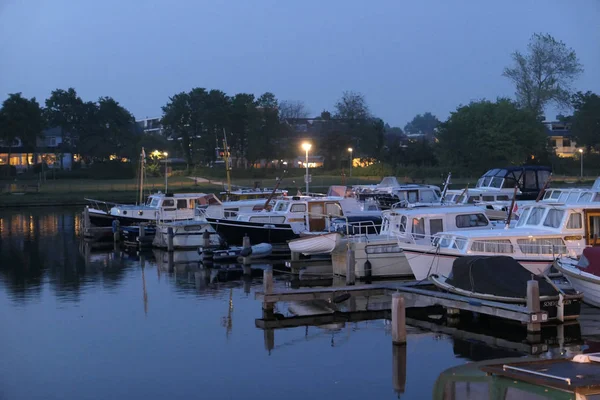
(257, 251)
(308, 245)
(583, 274)
(502, 279)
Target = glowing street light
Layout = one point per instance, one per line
(306, 147)
(351, 150)
(581, 157)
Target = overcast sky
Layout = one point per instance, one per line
(405, 56)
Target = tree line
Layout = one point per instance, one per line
(479, 135)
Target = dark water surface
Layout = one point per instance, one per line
(82, 324)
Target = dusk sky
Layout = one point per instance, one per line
(406, 57)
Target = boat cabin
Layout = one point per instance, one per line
(420, 225)
(163, 206)
(529, 179)
(390, 193)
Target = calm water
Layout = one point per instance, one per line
(82, 324)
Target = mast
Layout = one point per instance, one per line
(227, 167)
(512, 206)
(446, 184)
(142, 162)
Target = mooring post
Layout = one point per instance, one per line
(350, 267)
(247, 270)
(399, 368)
(246, 250)
(86, 219)
(170, 235)
(116, 229)
(398, 319)
(533, 305)
(141, 234)
(295, 256)
(206, 239)
(171, 262)
(267, 287)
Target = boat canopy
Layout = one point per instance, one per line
(590, 261)
(495, 275)
(530, 179)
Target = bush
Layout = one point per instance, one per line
(111, 170)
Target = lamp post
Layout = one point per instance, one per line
(306, 147)
(350, 149)
(166, 172)
(581, 158)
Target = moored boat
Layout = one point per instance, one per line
(502, 279)
(583, 274)
(315, 244)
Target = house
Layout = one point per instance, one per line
(49, 148)
(561, 139)
(150, 125)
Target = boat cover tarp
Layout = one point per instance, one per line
(590, 261)
(496, 275)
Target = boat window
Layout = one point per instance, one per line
(473, 199)
(555, 194)
(413, 196)
(479, 182)
(471, 220)
(435, 226)
(460, 199)
(402, 227)
(554, 218)
(267, 219)
(486, 181)
(428, 196)
(563, 197)
(530, 180)
(596, 197)
(542, 246)
(418, 227)
(459, 243)
(154, 202)
(281, 206)
(492, 246)
(488, 198)
(535, 216)
(168, 203)
(444, 241)
(543, 176)
(181, 204)
(149, 200)
(572, 197)
(298, 207)
(586, 197)
(574, 221)
(523, 217)
(333, 209)
(497, 182)
(502, 197)
(548, 194)
(438, 194)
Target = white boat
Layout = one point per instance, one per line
(382, 251)
(543, 232)
(255, 252)
(389, 192)
(315, 244)
(583, 274)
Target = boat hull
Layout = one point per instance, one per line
(233, 231)
(581, 281)
(430, 261)
(315, 244)
(185, 236)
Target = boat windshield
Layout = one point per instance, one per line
(281, 206)
(535, 216)
(554, 218)
(523, 217)
(152, 202)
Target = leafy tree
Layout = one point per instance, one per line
(544, 75)
(244, 119)
(20, 118)
(393, 130)
(422, 124)
(586, 119)
(176, 121)
(65, 109)
(290, 109)
(264, 142)
(487, 134)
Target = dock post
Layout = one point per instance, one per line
(141, 234)
(399, 368)
(116, 228)
(206, 239)
(246, 249)
(533, 303)
(170, 235)
(398, 319)
(267, 287)
(295, 256)
(350, 279)
(247, 271)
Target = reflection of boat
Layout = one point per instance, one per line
(163, 258)
(583, 274)
(519, 378)
(502, 279)
(255, 252)
(186, 234)
(315, 244)
(315, 307)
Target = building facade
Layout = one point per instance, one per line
(561, 139)
(49, 149)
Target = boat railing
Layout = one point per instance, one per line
(101, 204)
(506, 247)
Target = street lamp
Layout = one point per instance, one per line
(166, 172)
(350, 149)
(306, 147)
(581, 158)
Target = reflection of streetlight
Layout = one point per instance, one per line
(350, 149)
(306, 147)
(581, 157)
(166, 174)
